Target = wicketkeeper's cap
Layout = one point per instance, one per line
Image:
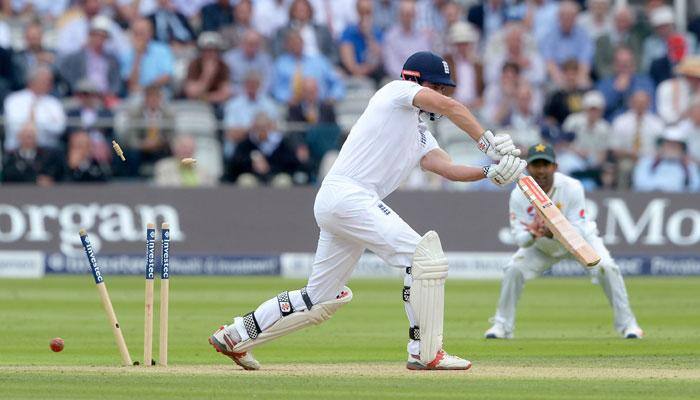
(541, 151)
(425, 66)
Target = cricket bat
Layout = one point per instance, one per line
(562, 229)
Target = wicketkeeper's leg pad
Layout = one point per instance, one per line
(291, 320)
(427, 297)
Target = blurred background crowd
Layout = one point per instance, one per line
(264, 92)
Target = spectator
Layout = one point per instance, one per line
(360, 45)
(266, 154)
(592, 132)
(148, 63)
(384, 14)
(30, 163)
(73, 32)
(169, 25)
(540, 17)
(467, 70)
(524, 119)
(208, 75)
(489, 17)
(93, 61)
(655, 46)
(81, 165)
(452, 13)
(172, 173)
(625, 81)
(34, 105)
(46, 10)
(597, 20)
(239, 111)
(92, 117)
(317, 39)
(293, 65)
(217, 15)
(430, 16)
(567, 41)
(336, 15)
(621, 34)
(34, 53)
(661, 69)
(673, 96)
(270, 15)
(635, 135)
(568, 98)
(249, 57)
(403, 39)
(691, 128)
(516, 50)
(149, 130)
(243, 22)
(322, 132)
(669, 169)
(500, 98)
(9, 80)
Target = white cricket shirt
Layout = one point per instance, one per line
(568, 195)
(387, 142)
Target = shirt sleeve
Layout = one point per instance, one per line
(403, 92)
(430, 143)
(518, 219)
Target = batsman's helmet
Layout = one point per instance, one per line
(425, 66)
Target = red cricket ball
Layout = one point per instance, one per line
(56, 344)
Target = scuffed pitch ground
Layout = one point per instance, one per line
(377, 370)
(565, 345)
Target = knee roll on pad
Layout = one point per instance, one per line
(427, 295)
(295, 320)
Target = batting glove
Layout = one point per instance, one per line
(507, 170)
(497, 146)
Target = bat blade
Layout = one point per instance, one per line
(562, 229)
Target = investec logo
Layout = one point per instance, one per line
(113, 222)
(93, 261)
(165, 274)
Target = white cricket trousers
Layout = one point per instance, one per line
(351, 219)
(530, 262)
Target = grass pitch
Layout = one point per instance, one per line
(565, 346)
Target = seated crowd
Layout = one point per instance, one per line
(263, 92)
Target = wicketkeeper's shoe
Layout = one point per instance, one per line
(224, 342)
(633, 332)
(497, 331)
(442, 361)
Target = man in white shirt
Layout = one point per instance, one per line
(669, 169)
(673, 96)
(386, 143)
(637, 130)
(538, 250)
(34, 105)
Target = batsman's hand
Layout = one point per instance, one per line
(497, 146)
(507, 170)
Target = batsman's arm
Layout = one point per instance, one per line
(439, 162)
(429, 100)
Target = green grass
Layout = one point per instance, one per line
(564, 325)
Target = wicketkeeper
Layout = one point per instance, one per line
(539, 251)
(386, 143)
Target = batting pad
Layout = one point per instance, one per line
(300, 319)
(429, 272)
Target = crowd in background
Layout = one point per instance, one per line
(261, 91)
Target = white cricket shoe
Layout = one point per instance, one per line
(497, 331)
(224, 342)
(633, 332)
(442, 361)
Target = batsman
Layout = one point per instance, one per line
(539, 250)
(386, 143)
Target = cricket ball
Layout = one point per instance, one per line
(56, 344)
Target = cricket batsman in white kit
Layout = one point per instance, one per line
(539, 251)
(386, 143)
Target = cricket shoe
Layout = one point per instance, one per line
(442, 361)
(633, 332)
(497, 331)
(224, 343)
